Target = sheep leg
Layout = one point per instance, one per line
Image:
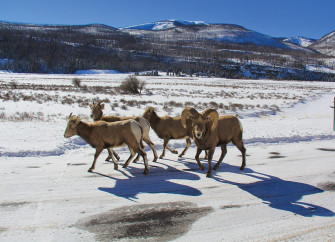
(240, 146)
(172, 150)
(145, 159)
(112, 153)
(96, 155)
(137, 158)
(116, 155)
(223, 154)
(140, 151)
(210, 156)
(138, 155)
(206, 155)
(132, 154)
(188, 144)
(198, 160)
(152, 146)
(166, 141)
(110, 156)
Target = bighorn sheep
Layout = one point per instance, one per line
(168, 128)
(97, 114)
(101, 135)
(209, 131)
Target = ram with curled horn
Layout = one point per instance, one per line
(210, 130)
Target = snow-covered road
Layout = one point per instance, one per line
(286, 192)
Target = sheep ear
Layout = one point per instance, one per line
(77, 120)
(70, 115)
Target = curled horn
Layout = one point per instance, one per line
(213, 115)
(70, 115)
(188, 112)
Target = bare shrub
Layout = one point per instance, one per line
(214, 105)
(13, 85)
(24, 116)
(189, 104)
(76, 82)
(132, 85)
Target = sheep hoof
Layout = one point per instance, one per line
(124, 166)
(175, 152)
(145, 172)
(90, 170)
(242, 168)
(215, 167)
(161, 157)
(209, 174)
(116, 167)
(181, 155)
(202, 168)
(155, 159)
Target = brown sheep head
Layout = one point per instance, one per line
(148, 113)
(71, 128)
(200, 121)
(96, 110)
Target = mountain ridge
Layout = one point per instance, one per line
(225, 50)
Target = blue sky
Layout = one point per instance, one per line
(277, 18)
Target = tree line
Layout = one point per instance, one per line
(69, 50)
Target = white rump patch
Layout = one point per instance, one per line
(136, 130)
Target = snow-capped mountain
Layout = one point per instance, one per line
(326, 45)
(301, 41)
(162, 25)
(175, 30)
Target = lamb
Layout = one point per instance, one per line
(101, 135)
(168, 128)
(97, 114)
(209, 131)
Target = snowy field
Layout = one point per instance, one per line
(286, 192)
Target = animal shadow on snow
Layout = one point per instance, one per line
(157, 181)
(279, 193)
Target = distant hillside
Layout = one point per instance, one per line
(87, 29)
(190, 47)
(326, 45)
(174, 30)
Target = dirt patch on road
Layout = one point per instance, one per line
(13, 204)
(276, 155)
(77, 164)
(153, 222)
(326, 149)
(327, 186)
(2, 230)
(230, 206)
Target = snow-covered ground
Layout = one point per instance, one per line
(286, 191)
